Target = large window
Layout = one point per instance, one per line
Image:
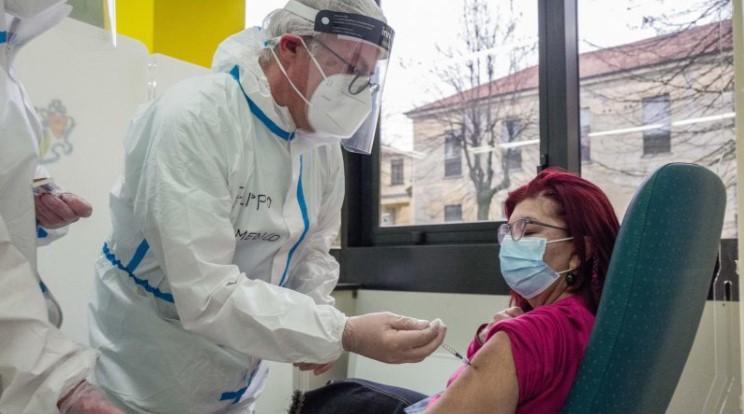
(656, 77)
(651, 82)
(462, 98)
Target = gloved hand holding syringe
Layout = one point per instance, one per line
(451, 349)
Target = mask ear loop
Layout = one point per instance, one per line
(559, 240)
(567, 272)
(270, 45)
(562, 240)
(312, 57)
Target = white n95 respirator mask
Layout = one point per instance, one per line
(334, 111)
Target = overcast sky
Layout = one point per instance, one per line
(422, 25)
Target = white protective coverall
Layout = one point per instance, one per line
(219, 255)
(38, 364)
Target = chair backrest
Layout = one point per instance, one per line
(654, 294)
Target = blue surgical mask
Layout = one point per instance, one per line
(523, 267)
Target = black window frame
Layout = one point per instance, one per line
(463, 257)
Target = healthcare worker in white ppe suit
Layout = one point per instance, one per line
(41, 370)
(223, 220)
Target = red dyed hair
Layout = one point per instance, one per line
(588, 215)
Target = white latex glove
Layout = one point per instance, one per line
(85, 398)
(392, 338)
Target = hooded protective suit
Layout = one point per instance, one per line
(219, 255)
(37, 363)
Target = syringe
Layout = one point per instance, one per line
(452, 351)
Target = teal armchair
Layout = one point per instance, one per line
(653, 298)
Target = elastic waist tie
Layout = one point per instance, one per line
(129, 270)
(305, 221)
(235, 396)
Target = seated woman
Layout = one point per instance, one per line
(554, 252)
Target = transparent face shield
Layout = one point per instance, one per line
(348, 58)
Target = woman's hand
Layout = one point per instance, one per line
(507, 313)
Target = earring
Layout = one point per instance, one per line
(570, 278)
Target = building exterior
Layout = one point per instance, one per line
(643, 104)
(396, 180)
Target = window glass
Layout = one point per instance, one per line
(461, 108)
(656, 87)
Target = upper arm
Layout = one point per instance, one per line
(488, 386)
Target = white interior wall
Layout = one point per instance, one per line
(101, 86)
(738, 29)
(460, 312)
(711, 380)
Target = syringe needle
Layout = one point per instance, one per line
(455, 353)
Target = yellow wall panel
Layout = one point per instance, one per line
(135, 18)
(191, 30)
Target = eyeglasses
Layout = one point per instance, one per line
(358, 84)
(518, 227)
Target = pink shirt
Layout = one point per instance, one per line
(547, 344)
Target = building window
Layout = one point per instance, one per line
(453, 212)
(511, 130)
(657, 112)
(396, 171)
(586, 128)
(452, 157)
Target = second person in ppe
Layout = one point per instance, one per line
(41, 370)
(223, 220)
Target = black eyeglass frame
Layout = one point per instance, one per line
(357, 73)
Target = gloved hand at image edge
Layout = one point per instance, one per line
(86, 398)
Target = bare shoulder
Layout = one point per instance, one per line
(489, 386)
